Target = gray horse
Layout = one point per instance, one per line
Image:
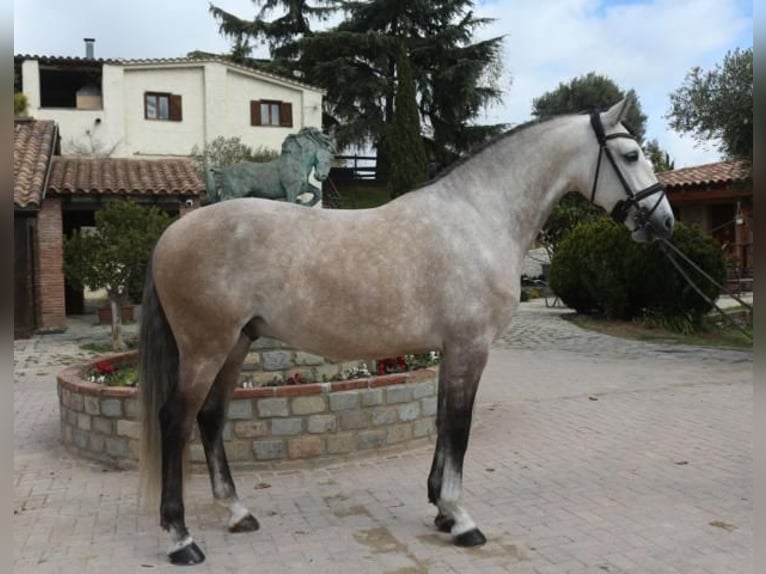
(285, 178)
(442, 267)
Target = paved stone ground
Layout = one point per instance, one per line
(589, 454)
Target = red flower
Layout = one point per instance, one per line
(104, 367)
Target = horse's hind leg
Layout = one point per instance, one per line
(177, 416)
(459, 374)
(211, 419)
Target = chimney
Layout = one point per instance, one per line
(89, 47)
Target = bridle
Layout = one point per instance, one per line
(620, 211)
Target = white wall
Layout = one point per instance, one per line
(240, 90)
(97, 130)
(160, 137)
(215, 98)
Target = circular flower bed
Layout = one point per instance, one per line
(281, 419)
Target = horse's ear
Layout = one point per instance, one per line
(618, 112)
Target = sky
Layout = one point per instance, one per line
(645, 45)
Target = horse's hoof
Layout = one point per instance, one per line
(444, 523)
(187, 556)
(247, 524)
(469, 538)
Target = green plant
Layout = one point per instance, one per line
(20, 104)
(599, 268)
(224, 151)
(113, 374)
(115, 255)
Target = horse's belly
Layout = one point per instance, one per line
(339, 332)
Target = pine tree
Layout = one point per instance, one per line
(356, 61)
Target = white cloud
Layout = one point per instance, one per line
(648, 46)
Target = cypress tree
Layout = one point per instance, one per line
(406, 152)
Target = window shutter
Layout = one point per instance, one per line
(255, 113)
(286, 115)
(176, 109)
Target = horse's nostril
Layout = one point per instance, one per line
(669, 223)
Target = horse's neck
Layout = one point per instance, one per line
(516, 182)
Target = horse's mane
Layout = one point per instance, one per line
(488, 143)
(292, 142)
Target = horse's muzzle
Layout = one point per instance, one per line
(654, 228)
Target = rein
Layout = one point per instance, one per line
(620, 211)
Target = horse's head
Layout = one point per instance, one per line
(623, 180)
(323, 151)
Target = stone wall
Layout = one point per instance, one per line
(266, 425)
(270, 360)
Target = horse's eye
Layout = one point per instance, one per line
(631, 155)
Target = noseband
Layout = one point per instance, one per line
(620, 211)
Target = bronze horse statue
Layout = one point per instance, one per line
(285, 178)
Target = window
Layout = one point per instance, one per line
(161, 106)
(271, 113)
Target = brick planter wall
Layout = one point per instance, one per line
(266, 425)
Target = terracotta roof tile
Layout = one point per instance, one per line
(711, 173)
(33, 145)
(98, 176)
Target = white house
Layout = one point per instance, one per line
(162, 107)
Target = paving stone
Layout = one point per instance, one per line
(384, 415)
(282, 427)
(341, 443)
(111, 407)
(352, 420)
(304, 447)
(309, 405)
(344, 400)
(102, 425)
(371, 397)
(423, 427)
(251, 429)
(408, 412)
(571, 467)
(321, 424)
(83, 421)
(268, 408)
(276, 360)
(424, 389)
(131, 429)
(398, 394)
(370, 439)
(91, 405)
(240, 409)
(428, 406)
(269, 449)
(307, 359)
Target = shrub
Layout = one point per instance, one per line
(115, 255)
(599, 268)
(20, 104)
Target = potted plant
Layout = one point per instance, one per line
(114, 255)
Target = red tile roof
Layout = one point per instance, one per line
(721, 172)
(95, 176)
(33, 144)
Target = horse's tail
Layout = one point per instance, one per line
(158, 378)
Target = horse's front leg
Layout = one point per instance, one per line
(459, 373)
